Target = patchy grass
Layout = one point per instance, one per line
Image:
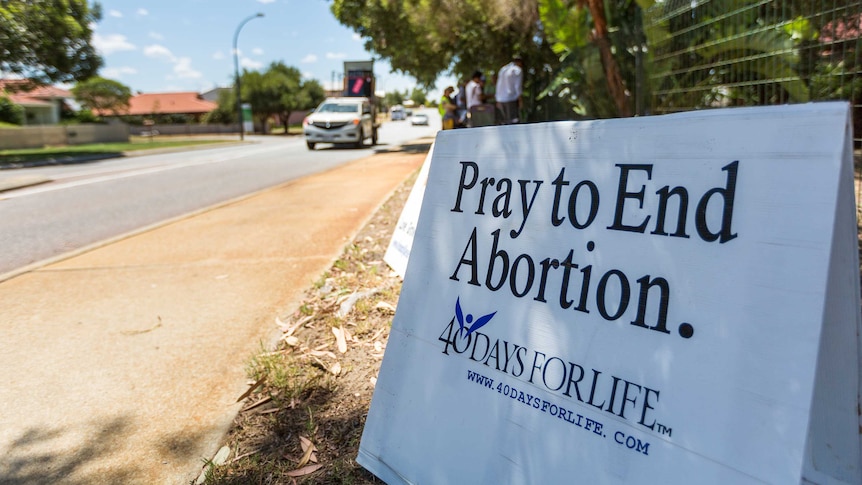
(304, 422)
(23, 155)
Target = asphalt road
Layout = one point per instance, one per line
(98, 201)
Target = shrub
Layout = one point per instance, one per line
(11, 112)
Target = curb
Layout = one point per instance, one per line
(22, 181)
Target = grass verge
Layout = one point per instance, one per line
(303, 417)
(24, 155)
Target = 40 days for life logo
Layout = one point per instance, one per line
(624, 398)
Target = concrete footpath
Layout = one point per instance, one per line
(123, 364)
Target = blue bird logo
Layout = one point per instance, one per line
(479, 323)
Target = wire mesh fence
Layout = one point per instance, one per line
(719, 53)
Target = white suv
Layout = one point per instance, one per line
(340, 120)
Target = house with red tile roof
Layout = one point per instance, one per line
(154, 104)
(42, 104)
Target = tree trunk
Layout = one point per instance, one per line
(616, 85)
(287, 123)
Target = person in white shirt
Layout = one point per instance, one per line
(475, 94)
(510, 80)
(475, 91)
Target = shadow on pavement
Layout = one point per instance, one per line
(52, 455)
(185, 445)
(27, 462)
(421, 146)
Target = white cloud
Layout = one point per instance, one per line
(309, 59)
(307, 75)
(107, 44)
(182, 65)
(265, 1)
(183, 69)
(157, 51)
(257, 51)
(157, 36)
(143, 12)
(357, 37)
(218, 55)
(250, 63)
(336, 55)
(118, 72)
(115, 14)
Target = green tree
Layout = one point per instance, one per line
(419, 96)
(296, 94)
(11, 112)
(225, 114)
(263, 94)
(312, 93)
(425, 38)
(102, 95)
(598, 42)
(392, 98)
(49, 41)
(279, 91)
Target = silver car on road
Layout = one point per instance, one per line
(340, 120)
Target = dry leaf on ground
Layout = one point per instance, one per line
(382, 305)
(304, 471)
(340, 341)
(252, 388)
(309, 449)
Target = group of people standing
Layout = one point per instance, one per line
(475, 106)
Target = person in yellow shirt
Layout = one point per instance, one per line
(447, 108)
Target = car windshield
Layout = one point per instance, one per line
(338, 108)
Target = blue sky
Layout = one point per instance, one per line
(186, 45)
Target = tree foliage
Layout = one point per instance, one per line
(419, 96)
(393, 98)
(609, 58)
(597, 42)
(426, 38)
(102, 95)
(299, 94)
(10, 112)
(226, 112)
(736, 52)
(279, 91)
(48, 41)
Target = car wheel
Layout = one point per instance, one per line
(361, 141)
(310, 145)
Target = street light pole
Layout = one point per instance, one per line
(236, 73)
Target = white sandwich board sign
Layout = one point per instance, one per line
(398, 252)
(669, 299)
